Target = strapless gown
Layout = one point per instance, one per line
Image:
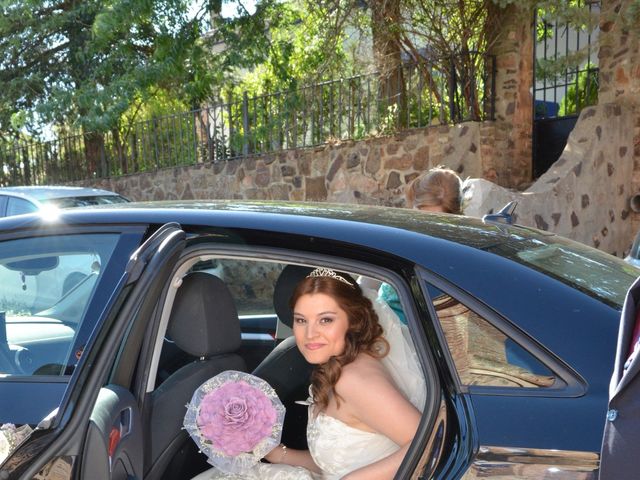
(336, 448)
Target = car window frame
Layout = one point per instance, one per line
(568, 384)
(148, 362)
(294, 256)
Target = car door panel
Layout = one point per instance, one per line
(546, 443)
(114, 437)
(31, 409)
(144, 277)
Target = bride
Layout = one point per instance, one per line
(367, 389)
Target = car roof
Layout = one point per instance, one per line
(476, 257)
(307, 218)
(41, 193)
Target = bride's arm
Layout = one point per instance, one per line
(289, 456)
(372, 399)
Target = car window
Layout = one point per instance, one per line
(251, 282)
(596, 273)
(85, 201)
(18, 206)
(482, 354)
(47, 284)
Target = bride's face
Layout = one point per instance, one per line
(320, 327)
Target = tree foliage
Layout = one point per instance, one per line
(80, 65)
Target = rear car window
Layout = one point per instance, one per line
(596, 273)
(18, 206)
(482, 354)
(69, 202)
(47, 284)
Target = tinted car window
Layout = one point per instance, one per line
(85, 201)
(47, 284)
(18, 206)
(592, 271)
(482, 354)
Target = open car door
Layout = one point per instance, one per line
(97, 431)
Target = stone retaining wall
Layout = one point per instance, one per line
(374, 171)
(585, 194)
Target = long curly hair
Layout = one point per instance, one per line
(364, 334)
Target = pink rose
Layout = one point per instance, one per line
(236, 417)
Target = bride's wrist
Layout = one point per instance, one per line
(278, 454)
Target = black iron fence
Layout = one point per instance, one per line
(566, 63)
(458, 89)
(566, 79)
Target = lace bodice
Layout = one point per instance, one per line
(339, 449)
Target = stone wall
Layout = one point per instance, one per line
(510, 158)
(586, 194)
(374, 171)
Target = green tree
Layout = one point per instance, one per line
(81, 64)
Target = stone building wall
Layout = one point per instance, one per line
(509, 164)
(374, 171)
(619, 58)
(586, 194)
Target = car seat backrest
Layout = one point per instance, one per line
(204, 323)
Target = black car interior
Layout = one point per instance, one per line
(204, 337)
(285, 369)
(204, 324)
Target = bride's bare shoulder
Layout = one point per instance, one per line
(364, 370)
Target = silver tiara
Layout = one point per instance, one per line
(327, 272)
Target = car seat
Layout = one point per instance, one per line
(285, 369)
(204, 323)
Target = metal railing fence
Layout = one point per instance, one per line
(458, 89)
(566, 74)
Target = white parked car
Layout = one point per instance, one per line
(19, 200)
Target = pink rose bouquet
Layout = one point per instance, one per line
(235, 418)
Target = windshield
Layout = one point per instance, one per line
(592, 271)
(47, 285)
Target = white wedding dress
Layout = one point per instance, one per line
(336, 447)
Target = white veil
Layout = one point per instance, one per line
(401, 361)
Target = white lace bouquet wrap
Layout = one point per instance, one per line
(235, 419)
(10, 437)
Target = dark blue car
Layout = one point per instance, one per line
(111, 317)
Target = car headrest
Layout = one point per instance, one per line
(204, 319)
(287, 282)
(289, 278)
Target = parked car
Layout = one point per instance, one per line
(19, 200)
(515, 329)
